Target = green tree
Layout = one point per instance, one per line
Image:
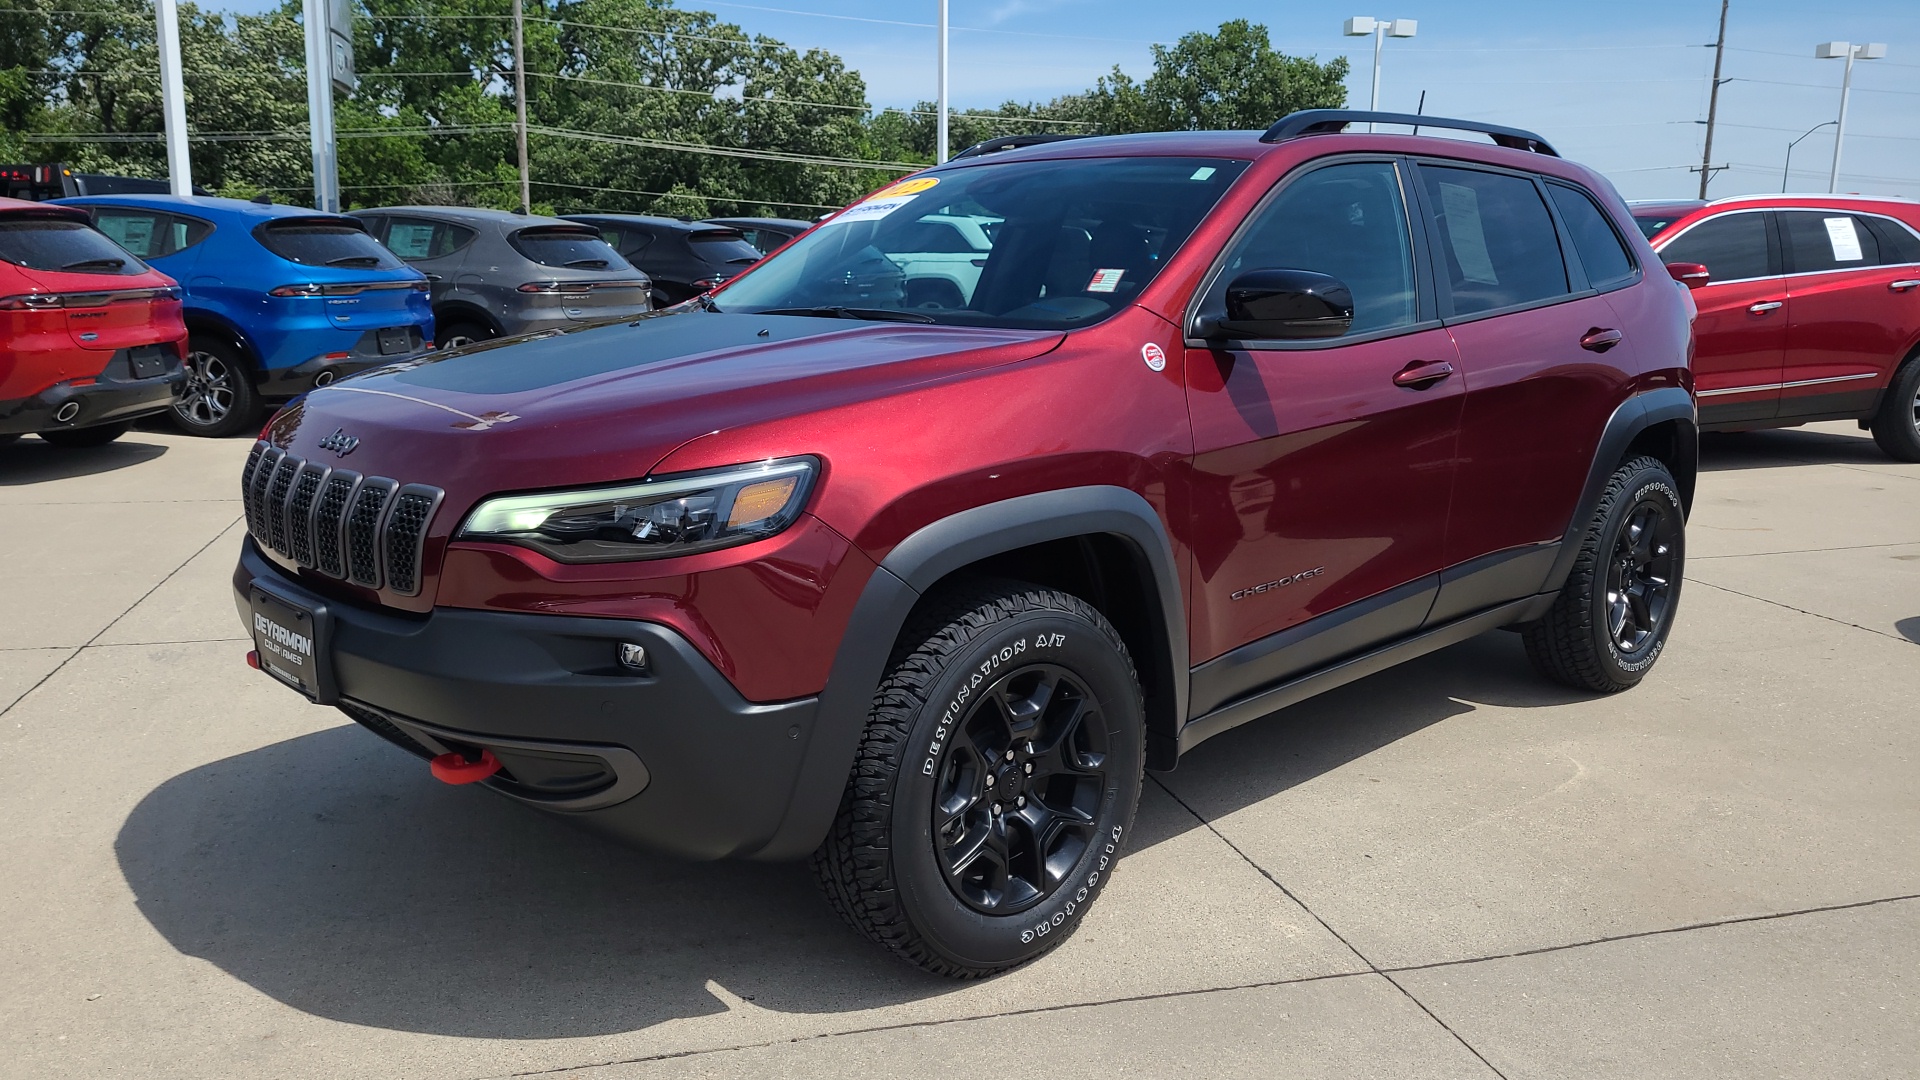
(1231, 79)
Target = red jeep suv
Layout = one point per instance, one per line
(1809, 309)
(90, 337)
(1222, 420)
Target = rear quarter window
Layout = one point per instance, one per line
(577, 248)
(1898, 245)
(1602, 255)
(150, 234)
(325, 242)
(47, 243)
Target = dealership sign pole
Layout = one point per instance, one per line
(173, 99)
(329, 68)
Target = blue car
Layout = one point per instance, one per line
(279, 299)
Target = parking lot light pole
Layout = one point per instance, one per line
(940, 122)
(1789, 162)
(1845, 50)
(173, 98)
(1380, 30)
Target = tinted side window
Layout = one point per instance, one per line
(45, 243)
(1497, 242)
(146, 233)
(1346, 221)
(1732, 247)
(1898, 245)
(418, 238)
(1819, 241)
(1601, 253)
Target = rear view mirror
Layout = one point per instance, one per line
(1283, 304)
(1692, 275)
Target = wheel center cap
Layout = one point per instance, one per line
(1012, 782)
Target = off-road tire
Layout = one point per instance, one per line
(881, 865)
(1573, 644)
(80, 438)
(219, 399)
(1896, 426)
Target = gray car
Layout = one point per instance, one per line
(496, 273)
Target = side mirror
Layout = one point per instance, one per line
(1283, 304)
(1692, 275)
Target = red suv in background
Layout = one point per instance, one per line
(90, 337)
(815, 565)
(1809, 309)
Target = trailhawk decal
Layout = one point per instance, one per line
(981, 675)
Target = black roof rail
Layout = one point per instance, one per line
(1010, 142)
(1333, 121)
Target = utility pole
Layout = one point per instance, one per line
(173, 99)
(940, 122)
(1713, 101)
(520, 105)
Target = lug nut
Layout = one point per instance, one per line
(1029, 767)
(1021, 801)
(1009, 755)
(996, 809)
(989, 779)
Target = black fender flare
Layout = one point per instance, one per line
(202, 320)
(919, 563)
(464, 311)
(1633, 416)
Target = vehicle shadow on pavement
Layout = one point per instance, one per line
(1767, 449)
(329, 873)
(1909, 628)
(27, 460)
(1259, 760)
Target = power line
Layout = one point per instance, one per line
(757, 100)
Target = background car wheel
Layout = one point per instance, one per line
(996, 783)
(1610, 622)
(454, 335)
(74, 438)
(1896, 427)
(935, 294)
(219, 398)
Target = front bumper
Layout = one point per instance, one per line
(673, 759)
(113, 396)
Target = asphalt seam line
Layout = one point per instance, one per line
(115, 621)
(1804, 551)
(1736, 920)
(1338, 936)
(1803, 611)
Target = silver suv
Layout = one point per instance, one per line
(496, 273)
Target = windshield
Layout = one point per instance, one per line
(1651, 224)
(325, 242)
(575, 249)
(45, 243)
(1044, 245)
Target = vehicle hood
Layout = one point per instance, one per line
(607, 402)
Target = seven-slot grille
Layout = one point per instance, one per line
(365, 529)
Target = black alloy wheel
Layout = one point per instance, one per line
(1019, 789)
(1613, 615)
(1641, 574)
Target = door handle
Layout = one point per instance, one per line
(1599, 339)
(433, 277)
(1903, 286)
(1422, 374)
(1763, 308)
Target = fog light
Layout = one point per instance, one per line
(633, 657)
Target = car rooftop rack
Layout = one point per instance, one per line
(1010, 142)
(1334, 121)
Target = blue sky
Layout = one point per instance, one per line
(1621, 86)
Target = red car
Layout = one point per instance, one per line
(918, 589)
(90, 336)
(1809, 309)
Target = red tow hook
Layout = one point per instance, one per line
(253, 659)
(456, 769)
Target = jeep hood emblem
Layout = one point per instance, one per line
(339, 442)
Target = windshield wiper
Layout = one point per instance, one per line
(873, 314)
(597, 264)
(108, 262)
(355, 260)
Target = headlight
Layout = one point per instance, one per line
(651, 519)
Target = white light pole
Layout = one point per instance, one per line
(940, 122)
(320, 136)
(1381, 30)
(1843, 50)
(173, 99)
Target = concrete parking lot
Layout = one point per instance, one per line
(1453, 869)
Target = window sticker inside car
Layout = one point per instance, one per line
(1845, 241)
(1105, 280)
(1469, 238)
(1204, 172)
(885, 201)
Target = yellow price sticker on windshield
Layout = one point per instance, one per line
(913, 186)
